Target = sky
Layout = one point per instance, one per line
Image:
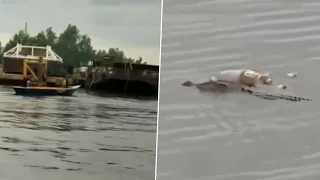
(130, 25)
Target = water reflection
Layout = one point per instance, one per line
(85, 134)
(122, 95)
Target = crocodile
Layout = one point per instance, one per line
(248, 81)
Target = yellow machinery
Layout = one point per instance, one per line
(39, 84)
(38, 78)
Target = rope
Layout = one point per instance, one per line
(275, 97)
(128, 73)
(92, 79)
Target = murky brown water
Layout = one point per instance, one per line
(80, 137)
(235, 136)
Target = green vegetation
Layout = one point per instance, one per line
(73, 47)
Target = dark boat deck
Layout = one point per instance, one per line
(139, 79)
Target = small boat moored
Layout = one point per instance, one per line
(45, 91)
(38, 86)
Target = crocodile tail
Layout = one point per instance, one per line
(274, 97)
(188, 83)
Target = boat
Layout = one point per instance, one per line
(39, 86)
(45, 91)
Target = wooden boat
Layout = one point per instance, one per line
(45, 91)
(39, 86)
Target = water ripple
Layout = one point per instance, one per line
(96, 137)
(236, 136)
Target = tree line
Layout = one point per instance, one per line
(73, 47)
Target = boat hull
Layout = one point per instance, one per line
(44, 91)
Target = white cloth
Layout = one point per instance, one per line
(28, 83)
(232, 76)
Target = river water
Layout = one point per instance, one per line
(80, 137)
(236, 136)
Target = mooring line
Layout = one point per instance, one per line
(92, 78)
(128, 73)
